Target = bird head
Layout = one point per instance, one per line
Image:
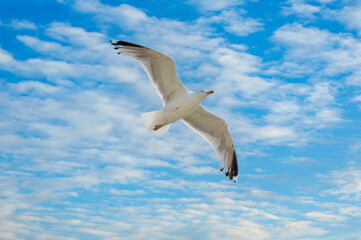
(205, 92)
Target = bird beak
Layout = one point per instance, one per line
(210, 92)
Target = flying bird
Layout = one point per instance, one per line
(181, 103)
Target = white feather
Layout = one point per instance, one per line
(215, 131)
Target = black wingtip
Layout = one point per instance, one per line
(233, 171)
(124, 44)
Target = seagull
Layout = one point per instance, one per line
(181, 103)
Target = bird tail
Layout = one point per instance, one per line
(150, 120)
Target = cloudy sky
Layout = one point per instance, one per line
(77, 163)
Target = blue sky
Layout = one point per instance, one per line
(77, 163)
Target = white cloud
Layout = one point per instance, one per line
(324, 53)
(315, 105)
(200, 170)
(242, 231)
(276, 133)
(298, 229)
(35, 87)
(77, 36)
(322, 94)
(354, 211)
(44, 47)
(59, 122)
(292, 159)
(318, 55)
(186, 41)
(350, 16)
(266, 133)
(354, 79)
(326, 1)
(357, 99)
(5, 58)
(283, 112)
(127, 192)
(122, 14)
(301, 9)
(71, 63)
(233, 22)
(235, 68)
(20, 24)
(325, 217)
(243, 27)
(265, 194)
(296, 36)
(347, 183)
(328, 116)
(215, 5)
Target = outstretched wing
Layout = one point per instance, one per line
(215, 130)
(159, 67)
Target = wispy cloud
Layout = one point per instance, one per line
(300, 229)
(213, 5)
(301, 8)
(325, 217)
(346, 183)
(234, 22)
(325, 53)
(20, 24)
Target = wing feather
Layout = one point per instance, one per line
(215, 130)
(159, 67)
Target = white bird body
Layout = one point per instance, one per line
(178, 108)
(181, 107)
(180, 103)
